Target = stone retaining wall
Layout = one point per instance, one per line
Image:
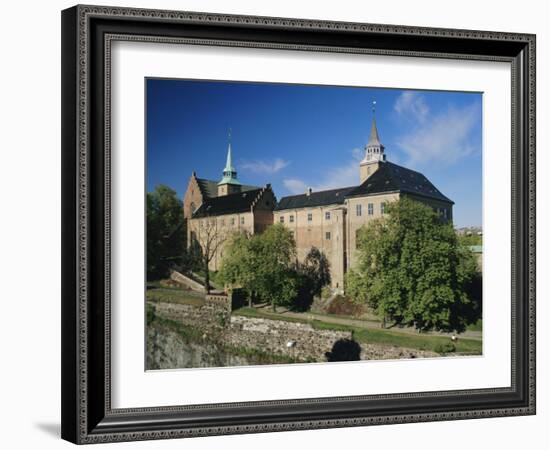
(214, 314)
(296, 340)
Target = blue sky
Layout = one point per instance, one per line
(299, 136)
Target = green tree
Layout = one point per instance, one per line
(412, 269)
(263, 265)
(471, 239)
(165, 231)
(238, 264)
(312, 275)
(316, 268)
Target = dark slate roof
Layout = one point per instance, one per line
(209, 188)
(393, 178)
(320, 198)
(228, 204)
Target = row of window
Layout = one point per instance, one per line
(222, 222)
(309, 217)
(370, 209)
(358, 212)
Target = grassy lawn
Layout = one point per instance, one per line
(377, 336)
(475, 326)
(174, 295)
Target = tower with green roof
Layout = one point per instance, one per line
(229, 183)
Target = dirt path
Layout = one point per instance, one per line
(360, 323)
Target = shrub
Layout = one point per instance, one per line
(445, 348)
(344, 306)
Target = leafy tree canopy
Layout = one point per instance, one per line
(412, 269)
(165, 231)
(263, 265)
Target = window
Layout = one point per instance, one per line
(223, 222)
(327, 235)
(382, 208)
(242, 220)
(370, 208)
(282, 219)
(327, 216)
(358, 210)
(309, 217)
(232, 221)
(445, 213)
(291, 219)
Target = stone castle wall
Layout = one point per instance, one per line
(296, 340)
(293, 339)
(214, 314)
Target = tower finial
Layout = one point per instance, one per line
(373, 107)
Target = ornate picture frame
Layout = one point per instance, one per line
(87, 35)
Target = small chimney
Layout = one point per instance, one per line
(309, 191)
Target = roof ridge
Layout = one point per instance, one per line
(320, 192)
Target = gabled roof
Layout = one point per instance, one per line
(320, 198)
(230, 204)
(388, 178)
(393, 178)
(209, 188)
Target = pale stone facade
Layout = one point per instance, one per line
(323, 227)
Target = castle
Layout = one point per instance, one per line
(328, 220)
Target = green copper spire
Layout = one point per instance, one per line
(229, 172)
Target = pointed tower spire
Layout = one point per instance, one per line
(228, 163)
(374, 150)
(229, 183)
(374, 139)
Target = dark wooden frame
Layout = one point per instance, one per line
(87, 31)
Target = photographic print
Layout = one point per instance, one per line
(291, 223)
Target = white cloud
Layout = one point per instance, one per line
(295, 186)
(337, 177)
(260, 166)
(413, 105)
(443, 138)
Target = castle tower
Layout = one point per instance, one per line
(229, 183)
(374, 153)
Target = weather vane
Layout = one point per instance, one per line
(229, 135)
(373, 106)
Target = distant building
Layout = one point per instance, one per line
(477, 251)
(328, 220)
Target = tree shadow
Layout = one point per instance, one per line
(344, 350)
